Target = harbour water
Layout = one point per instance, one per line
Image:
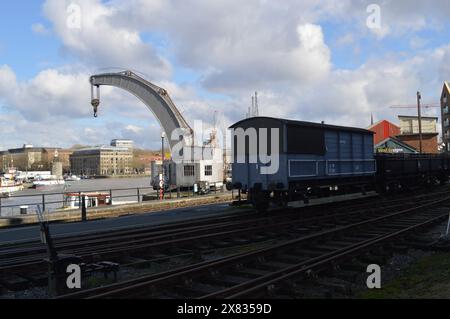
(124, 190)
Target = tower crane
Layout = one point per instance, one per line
(412, 106)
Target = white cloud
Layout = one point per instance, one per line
(52, 93)
(102, 41)
(53, 108)
(233, 48)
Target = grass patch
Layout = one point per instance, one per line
(97, 281)
(428, 278)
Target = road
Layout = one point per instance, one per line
(154, 218)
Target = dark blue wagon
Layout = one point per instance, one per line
(279, 159)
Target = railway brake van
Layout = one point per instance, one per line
(277, 160)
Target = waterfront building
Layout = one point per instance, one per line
(29, 158)
(102, 161)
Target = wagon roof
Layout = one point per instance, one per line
(304, 124)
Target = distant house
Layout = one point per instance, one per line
(409, 132)
(394, 145)
(383, 129)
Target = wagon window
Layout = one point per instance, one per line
(305, 140)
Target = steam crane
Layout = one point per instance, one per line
(179, 133)
(156, 98)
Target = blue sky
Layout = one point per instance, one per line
(211, 61)
(20, 47)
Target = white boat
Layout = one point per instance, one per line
(72, 178)
(92, 199)
(50, 180)
(8, 185)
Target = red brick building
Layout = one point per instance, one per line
(383, 129)
(408, 132)
(429, 141)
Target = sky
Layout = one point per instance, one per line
(337, 61)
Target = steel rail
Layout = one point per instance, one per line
(136, 286)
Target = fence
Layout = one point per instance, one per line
(51, 202)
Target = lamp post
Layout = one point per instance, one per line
(419, 97)
(161, 182)
(443, 118)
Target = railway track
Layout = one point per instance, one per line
(156, 244)
(153, 237)
(256, 272)
(30, 251)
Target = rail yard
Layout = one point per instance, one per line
(307, 221)
(317, 251)
(215, 159)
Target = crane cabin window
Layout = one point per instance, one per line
(189, 170)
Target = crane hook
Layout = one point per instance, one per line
(95, 104)
(95, 98)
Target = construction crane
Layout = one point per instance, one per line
(411, 106)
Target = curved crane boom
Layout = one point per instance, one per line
(156, 98)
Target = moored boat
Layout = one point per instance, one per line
(92, 199)
(72, 178)
(9, 185)
(51, 180)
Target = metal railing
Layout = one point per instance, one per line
(15, 205)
